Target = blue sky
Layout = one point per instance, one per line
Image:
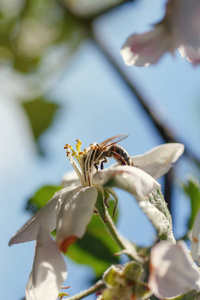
(95, 105)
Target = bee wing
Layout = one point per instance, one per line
(113, 140)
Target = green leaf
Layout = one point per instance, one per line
(96, 248)
(41, 197)
(192, 190)
(40, 114)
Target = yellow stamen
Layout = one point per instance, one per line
(78, 145)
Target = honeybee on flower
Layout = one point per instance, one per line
(71, 208)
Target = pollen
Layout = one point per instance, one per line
(78, 145)
(75, 153)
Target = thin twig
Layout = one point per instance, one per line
(93, 289)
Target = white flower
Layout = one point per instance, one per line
(180, 29)
(172, 270)
(70, 210)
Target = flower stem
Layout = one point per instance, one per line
(126, 247)
(94, 288)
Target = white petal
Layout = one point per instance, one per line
(49, 270)
(172, 270)
(159, 160)
(71, 179)
(147, 48)
(29, 288)
(74, 215)
(193, 54)
(45, 217)
(131, 179)
(195, 243)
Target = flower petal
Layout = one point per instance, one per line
(193, 54)
(172, 270)
(159, 160)
(49, 270)
(128, 178)
(147, 48)
(195, 243)
(29, 288)
(74, 215)
(45, 217)
(70, 179)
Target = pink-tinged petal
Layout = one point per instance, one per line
(147, 48)
(195, 243)
(46, 217)
(49, 270)
(172, 270)
(74, 215)
(159, 160)
(71, 179)
(192, 54)
(128, 178)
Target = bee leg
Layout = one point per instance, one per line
(106, 202)
(102, 162)
(96, 167)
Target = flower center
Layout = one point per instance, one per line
(81, 161)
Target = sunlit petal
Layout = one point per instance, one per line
(74, 215)
(131, 179)
(45, 217)
(159, 160)
(29, 288)
(192, 54)
(71, 179)
(172, 270)
(49, 270)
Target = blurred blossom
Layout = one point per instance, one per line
(11, 8)
(15, 85)
(90, 7)
(34, 36)
(180, 29)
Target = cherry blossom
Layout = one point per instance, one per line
(180, 28)
(71, 209)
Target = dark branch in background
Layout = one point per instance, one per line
(168, 190)
(162, 129)
(166, 134)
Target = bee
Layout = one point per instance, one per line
(99, 153)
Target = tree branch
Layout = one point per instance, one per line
(96, 287)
